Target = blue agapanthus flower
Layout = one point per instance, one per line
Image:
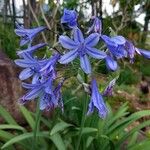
(116, 51)
(132, 50)
(109, 89)
(96, 26)
(50, 96)
(37, 68)
(53, 100)
(70, 18)
(27, 35)
(97, 101)
(80, 47)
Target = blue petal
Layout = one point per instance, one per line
(111, 63)
(45, 102)
(68, 57)
(78, 36)
(68, 16)
(145, 53)
(108, 40)
(91, 108)
(120, 40)
(68, 43)
(98, 101)
(30, 86)
(35, 78)
(85, 64)
(72, 24)
(20, 32)
(34, 93)
(31, 49)
(24, 41)
(92, 39)
(24, 63)
(25, 74)
(95, 53)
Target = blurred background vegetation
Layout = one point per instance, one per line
(130, 18)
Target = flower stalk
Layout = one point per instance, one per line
(37, 126)
(85, 104)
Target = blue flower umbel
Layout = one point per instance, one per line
(97, 101)
(27, 35)
(69, 17)
(80, 47)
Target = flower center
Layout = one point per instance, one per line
(81, 49)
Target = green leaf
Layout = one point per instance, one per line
(122, 124)
(23, 137)
(135, 129)
(89, 141)
(87, 130)
(143, 145)
(57, 140)
(59, 127)
(120, 113)
(10, 126)
(28, 116)
(8, 118)
(4, 135)
(133, 139)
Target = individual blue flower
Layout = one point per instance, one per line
(97, 101)
(132, 50)
(109, 89)
(96, 26)
(51, 101)
(37, 68)
(37, 89)
(50, 97)
(116, 47)
(31, 49)
(69, 17)
(80, 47)
(27, 35)
(31, 65)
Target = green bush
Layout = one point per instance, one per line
(128, 76)
(8, 40)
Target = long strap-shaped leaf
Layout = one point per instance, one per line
(137, 128)
(27, 115)
(23, 137)
(7, 117)
(125, 122)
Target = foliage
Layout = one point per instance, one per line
(8, 40)
(127, 76)
(110, 133)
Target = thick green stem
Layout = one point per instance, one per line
(83, 116)
(36, 128)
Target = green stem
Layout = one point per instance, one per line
(83, 116)
(36, 128)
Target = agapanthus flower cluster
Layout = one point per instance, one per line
(78, 46)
